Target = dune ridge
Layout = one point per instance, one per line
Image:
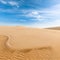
(54, 28)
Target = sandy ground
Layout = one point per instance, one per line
(20, 43)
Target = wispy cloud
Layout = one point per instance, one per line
(3, 1)
(54, 19)
(13, 3)
(10, 2)
(35, 15)
(51, 16)
(45, 17)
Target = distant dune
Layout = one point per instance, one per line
(22, 43)
(54, 28)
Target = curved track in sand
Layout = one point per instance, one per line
(30, 54)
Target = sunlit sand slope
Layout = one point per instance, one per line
(28, 54)
(20, 43)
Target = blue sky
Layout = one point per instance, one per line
(32, 13)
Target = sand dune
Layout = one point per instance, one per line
(21, 43)
(54, 28)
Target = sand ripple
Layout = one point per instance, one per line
(32, 54)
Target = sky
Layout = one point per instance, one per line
(31, 13)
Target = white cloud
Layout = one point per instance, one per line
(51, 13)
(35, 12)
(34, 15)
(13, 3)
(3, 1)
